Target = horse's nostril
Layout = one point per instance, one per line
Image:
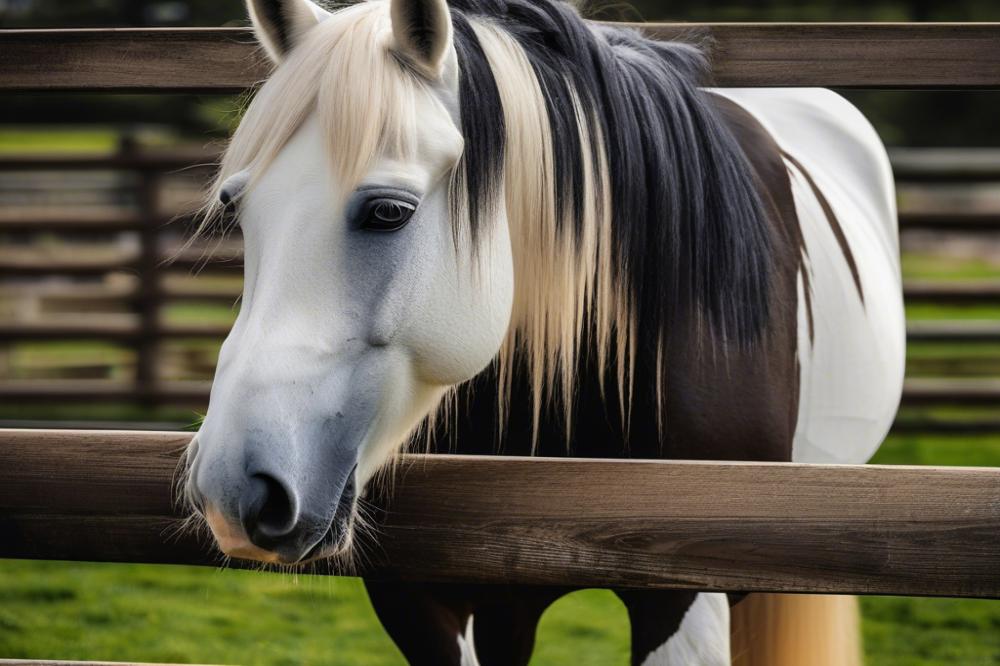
(272, 512)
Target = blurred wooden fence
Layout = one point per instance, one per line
(884, 55)
(150, 267)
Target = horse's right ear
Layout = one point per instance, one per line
(422, 32)
(281, 24)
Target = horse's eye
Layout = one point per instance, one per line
(386, 214)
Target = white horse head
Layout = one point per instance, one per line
(425, 187)
(362, 304)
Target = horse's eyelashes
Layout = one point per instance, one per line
(386, 214)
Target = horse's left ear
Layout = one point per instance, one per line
(422, 32)
(281, 24)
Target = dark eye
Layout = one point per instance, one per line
(386, 214)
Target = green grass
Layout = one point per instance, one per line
(190, 614)
(939, 266)
(937, 311)
(20, 139)
(900, 631)
(183, 312)
(916, 449)
(17, 140)
(185, 614)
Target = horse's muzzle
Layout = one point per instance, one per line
(276, 525)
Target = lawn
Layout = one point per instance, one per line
(190, 614)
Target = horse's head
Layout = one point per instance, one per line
(364, 301)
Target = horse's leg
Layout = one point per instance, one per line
(678, 628)
(427, 622)
(504, 629)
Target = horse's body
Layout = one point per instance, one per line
(661, 271)
(845, 379)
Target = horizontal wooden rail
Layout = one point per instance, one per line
(66, 263)
(105, 223)
(945, 165)
(106, 495)
(74, 295)
(950, 221)
(986, 330)
(919, 391)
(979, 291)
(223, 60)
(962, 425)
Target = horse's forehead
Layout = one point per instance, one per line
(439, 140)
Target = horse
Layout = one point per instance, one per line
(520, 232)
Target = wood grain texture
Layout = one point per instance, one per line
(106, 495)
(882, 55)
(125, 59)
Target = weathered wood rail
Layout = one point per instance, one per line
(881, 55)
(722, 526)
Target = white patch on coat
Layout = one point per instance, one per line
(467, 646)
(702, 639)
(852, 371)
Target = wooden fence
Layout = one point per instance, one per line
(94, 495)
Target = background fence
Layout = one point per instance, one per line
(123, 275)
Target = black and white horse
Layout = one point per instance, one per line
(546, 233)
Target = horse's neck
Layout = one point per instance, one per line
(720, 403)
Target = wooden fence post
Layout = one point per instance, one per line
(149, 297)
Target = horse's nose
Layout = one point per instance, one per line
(268, 510)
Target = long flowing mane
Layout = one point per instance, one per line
(631, 205)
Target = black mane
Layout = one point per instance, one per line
(689, 227)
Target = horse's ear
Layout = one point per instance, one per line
(422, 31)
(281, 24)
